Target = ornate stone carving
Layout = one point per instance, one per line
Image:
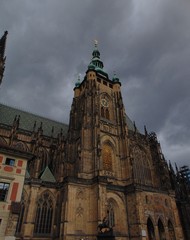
(79, 211)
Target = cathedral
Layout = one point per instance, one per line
(97, 177)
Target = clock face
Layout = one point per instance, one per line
(104, 102)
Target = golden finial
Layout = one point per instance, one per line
(96, 43)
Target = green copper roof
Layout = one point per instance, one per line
(96, 62)
(47, 175)
(27, 120)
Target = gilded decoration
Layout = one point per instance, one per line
(107, 157)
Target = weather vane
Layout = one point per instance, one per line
(96, 42)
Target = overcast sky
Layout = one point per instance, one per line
(146, 42)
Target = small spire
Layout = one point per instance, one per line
(77, 84)
(34, 127)
(145, 130)
(115, 78)
(15, 118)
(2, 57)
(96, 43)
(170, 167)
(135, 126)
(18, 120)
(3, 43)
(176, 168)
(79, 77)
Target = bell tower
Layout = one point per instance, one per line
(97, 139)
(117, 177)
(2, 53)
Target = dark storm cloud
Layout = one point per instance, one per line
(147, 43)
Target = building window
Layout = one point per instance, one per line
(4, 188)
(111, 217)
(107, 114)
(141, 167)
(171, 231)
(150, 229)
(44, 215)
(161, 230)
(10, 161)
(102, 112)
(20, 219)
(107, 157)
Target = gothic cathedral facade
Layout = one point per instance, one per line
(98, 172)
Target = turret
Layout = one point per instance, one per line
(2, 53)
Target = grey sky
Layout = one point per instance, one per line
(147, 43)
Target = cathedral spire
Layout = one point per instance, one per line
(2, 52)
(96, 64)
(96, 56)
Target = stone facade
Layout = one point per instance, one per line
(99, 169)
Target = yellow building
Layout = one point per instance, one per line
(13, 165)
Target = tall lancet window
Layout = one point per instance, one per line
(111, 217)
(107, 157)
(23, 206)
(141, 166)
(44, 215)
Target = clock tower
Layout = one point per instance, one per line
(97, 154)
(98, 127)
(115, 177)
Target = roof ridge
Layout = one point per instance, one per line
(35, 114)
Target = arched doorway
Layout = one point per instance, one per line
(150, 230)
(161, 230)
(171, 231)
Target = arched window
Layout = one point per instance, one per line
(20, 219)
(22, 213)
(44, 215)
(161, 230)
(171, 231)
(111, 217)
(150, 230)
(107, 157)
(107, 114)
(21, 146)
(102, 112)
(141, 167)
(44, 158)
